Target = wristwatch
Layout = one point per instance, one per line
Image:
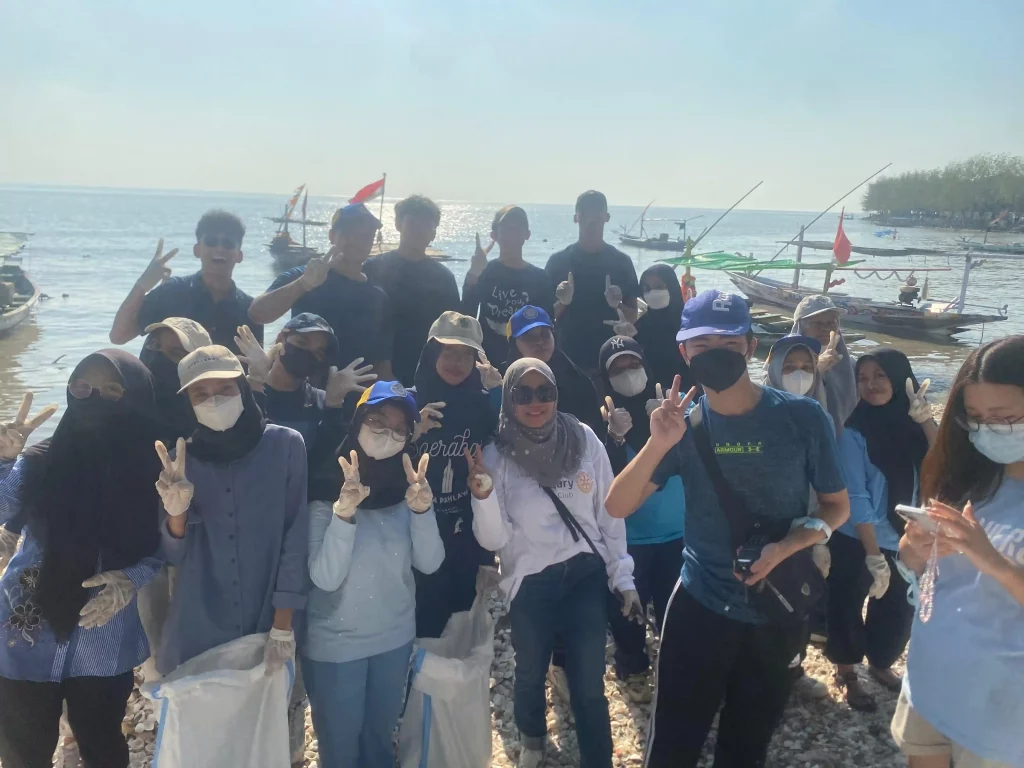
(815, 524)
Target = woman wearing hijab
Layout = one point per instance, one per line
(792, 366)
(448, 378)
(654, 533)
(882, 447)
(538, 499)
(818, 317)
(656, 330)
(69, 620)
(166, 344)
(366, 536)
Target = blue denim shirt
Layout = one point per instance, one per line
(869, 492)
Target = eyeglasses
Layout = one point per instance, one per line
(220, 241)
(1003, 425)
(545, 393)
(81, 389)
(378, 426)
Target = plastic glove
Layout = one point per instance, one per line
(622, 326)
(829, 357)
(631, 605)
(280, 648)
(564, 292)
(654, 402)
(612, 293)
(351, 378)
(14, 434)
(430, 418)
(879, 569)
(8, 546)
(117, 591)
(352, 490)
(641, 308)
(252, 353)
(822, 557)
(316, 272)
(480, 483)
(920, 409)
(174, 488)
(419, 497)
(618, 419)
(488, 373)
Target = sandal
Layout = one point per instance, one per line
(886, 678)
(856, 697)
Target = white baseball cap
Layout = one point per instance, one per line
(209, 362)
(190, 333)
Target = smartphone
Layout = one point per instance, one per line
(917, 515)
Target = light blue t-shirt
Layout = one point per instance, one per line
(660, 518)
(869, 492)
(965, 666)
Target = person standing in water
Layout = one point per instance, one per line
(818, 317)
(656, 330)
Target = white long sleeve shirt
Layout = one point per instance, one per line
(520, 522)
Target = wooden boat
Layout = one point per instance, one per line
(14, 309)
(769, 327)
(288, 253)
(661, 243)
(1016, 249)
(827, 245)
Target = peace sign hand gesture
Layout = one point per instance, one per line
(480, 483)
(612, 293)
(479, 262)
(174, 488)
(829, 357)
(157, 270)
(14, 434)
(565, 290)
(920, 409)
(622, 326)
(668, 420)
(419, 497)
(352, 490)
(488, 373)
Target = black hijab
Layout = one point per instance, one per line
(235, 443)
(89, 491)
(656, 333)
(174, 410)
(896, 443)
(431, 388)
(636, 405)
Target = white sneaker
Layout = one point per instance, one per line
(559, 683)
(530, 758)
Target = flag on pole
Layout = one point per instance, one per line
(305, 199)
(369, 192)
(841, 247)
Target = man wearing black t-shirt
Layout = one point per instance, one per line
(596, 287)
(336, 289)
(420, 289)
(502, 287)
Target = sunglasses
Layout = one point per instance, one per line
(220, 241)
(545, 393)
(81, 389)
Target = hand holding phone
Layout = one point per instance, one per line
(917, 515)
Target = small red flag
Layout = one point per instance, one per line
(370, 191)
(841, 247)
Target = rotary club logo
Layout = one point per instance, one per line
(584, 482)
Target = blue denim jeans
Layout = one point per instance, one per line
(356, 706)
(569, 599)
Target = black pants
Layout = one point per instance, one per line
(706, 659)
(452, 587)
(655, 573)
(884, 634)
(30, 720)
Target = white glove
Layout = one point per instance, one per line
(879, 569)
(279, 649)
(316, 272)
(822, 557)
(565, 291)
(622, 326)
(351, 378)
(618, 419)
(829, 357)
(488, 373)
(251, 353)
(117, 591)
(8, 546)
(612, 293)
(654, 402)
(920, 409)
(430, 418)
(419, 497)
(480, 483)
(631, 605)
(14, 434)
(641, 308)
(352, 490)
(174, 488)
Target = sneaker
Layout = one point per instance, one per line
(530, 758)
(559, 683)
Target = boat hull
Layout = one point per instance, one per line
(27, 296)
(653, 244)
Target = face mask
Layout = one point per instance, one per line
(798, 382)
(718, 369)
(299, 362)
(629, 383)
(659, 298)
(1002, 447)
(382, 446)
(220, 412)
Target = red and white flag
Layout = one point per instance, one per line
(369, 192)
(841, 246)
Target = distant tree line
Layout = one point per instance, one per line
(971, 193)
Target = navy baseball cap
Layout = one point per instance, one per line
(526, 319)
(353, 213)
(383, 391)
(307, 322)
(714, 313)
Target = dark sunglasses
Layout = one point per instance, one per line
(220, 241)
(545, 393)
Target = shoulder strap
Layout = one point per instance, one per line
(739, 518)
(570, 522)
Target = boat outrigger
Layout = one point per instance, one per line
(18, 294)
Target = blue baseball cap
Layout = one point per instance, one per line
(307, 322)
(714, 313)
(351, 214)
(526, 319)
(382, 391)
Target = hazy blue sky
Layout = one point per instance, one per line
(521, 100)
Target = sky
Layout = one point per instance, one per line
(688, 103)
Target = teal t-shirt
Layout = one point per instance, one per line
(661, 517)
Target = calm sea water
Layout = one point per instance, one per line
(89, 246)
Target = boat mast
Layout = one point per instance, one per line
(962, 298)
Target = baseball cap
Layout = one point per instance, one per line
(190, 333)
(351, 214)
(510, 213)
(383, 391)
(209, 362)
(528, 318)
(714, 313)
(455, 328)
(307, 322)
(815, 305)
(783, 345)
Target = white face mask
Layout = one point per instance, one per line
(657, 298)
(1000, 442)
(382, 446)
(630, 383)
(219, 412)
(798, 382)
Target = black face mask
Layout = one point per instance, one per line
(299, 362)
(165, 375)
(718, 369)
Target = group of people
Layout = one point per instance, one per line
(599, 440)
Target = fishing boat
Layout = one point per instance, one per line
(288, 253)
(18, 294)
(1014, 249)
(827, 245)
(661, 242)
(769, 327)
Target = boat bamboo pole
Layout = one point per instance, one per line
(962, 298)
(708, 230)
(383, 185)
(799, 258)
